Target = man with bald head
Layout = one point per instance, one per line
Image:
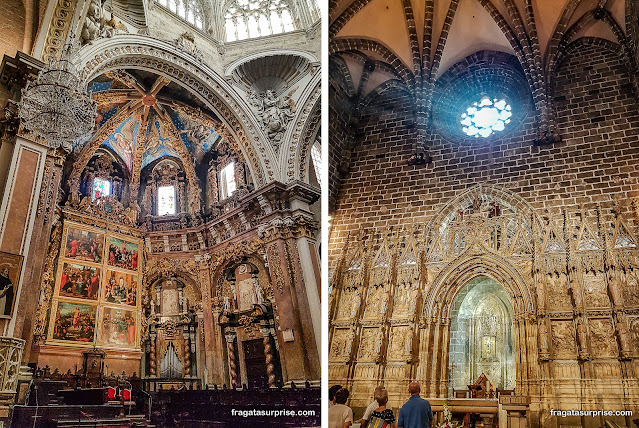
(416, 412)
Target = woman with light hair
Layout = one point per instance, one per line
(382, 417)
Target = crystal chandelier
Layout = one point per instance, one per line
(57, 107)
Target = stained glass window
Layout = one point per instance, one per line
(316, 156)
(246, 19)
(188, 10)
(166, 200)
(486, 117)
(227, 180)
(101, 187)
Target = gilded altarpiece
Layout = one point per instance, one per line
(571, 281)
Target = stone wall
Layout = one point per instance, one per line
(594, 164)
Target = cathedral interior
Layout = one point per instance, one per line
(484, 208)
(160, 205)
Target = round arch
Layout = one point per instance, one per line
(139, 52)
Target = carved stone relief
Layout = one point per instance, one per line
(595, 295)
(602, 338)
(370, 344)
(376, 303)
(558, 297)
(563, 340)
(342, 344)
(400, 343)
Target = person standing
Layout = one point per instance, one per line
(416, 412)
(371, 407)
(340, 415)
(382, 417)
(331, 394)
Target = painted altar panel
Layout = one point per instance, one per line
(72, 323)
(123, 253)
(84, 244)
(97, 289)
(79, 281)
(120, 288)
(118, 327)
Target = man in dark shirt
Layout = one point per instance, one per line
(416, 412)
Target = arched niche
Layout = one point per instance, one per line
(241, 285)
(481, 336)
(106, 167)
(163, 173)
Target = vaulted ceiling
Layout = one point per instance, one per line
(416, 41)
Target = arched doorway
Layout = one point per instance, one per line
(481, 336)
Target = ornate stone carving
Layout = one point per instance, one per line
(341, 345)
(186, 43)
(46, 286)
(603, 338)
(582, 339)
(274, 112)
(544, 355)
(107, 208)
(563, 340)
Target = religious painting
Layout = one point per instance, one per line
(122, 254)
(118, 327)
(84, 245)
(82, 282)
(120, 288)
(123, 141)
(10, 268)
(74, 322)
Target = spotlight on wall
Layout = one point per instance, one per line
(420, 159)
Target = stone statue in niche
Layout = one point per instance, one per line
(274, 112)
(379, 338)
(356, 301)
(576, 295)
(541, 296)
(624, 337)
(615, 290)
(383, 307)
(582, 337)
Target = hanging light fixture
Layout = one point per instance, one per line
(56, 107)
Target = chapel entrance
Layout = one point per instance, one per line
(481, 336)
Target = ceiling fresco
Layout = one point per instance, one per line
(152, 117)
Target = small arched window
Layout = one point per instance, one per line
(166, 200)
(246, 19)
(101, 187)
(188, 10)
(227, 181)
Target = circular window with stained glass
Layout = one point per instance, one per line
(486, 117)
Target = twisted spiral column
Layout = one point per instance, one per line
(230, 338)
(268, 355)
(152, 359)
(187, 354)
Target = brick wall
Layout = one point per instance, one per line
(597, 161)
(340, 132)
(12, 23)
